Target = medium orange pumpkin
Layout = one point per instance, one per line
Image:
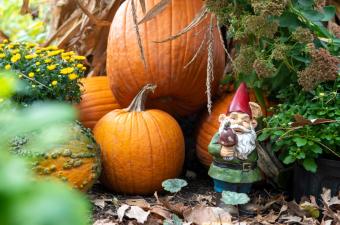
(180, 90)
(209, 125)
(97, 100)
(140, 148)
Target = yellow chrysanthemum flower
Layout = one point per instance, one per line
(8, 67)
(37, 63)
(31, 75)
(66, 70)
(32, 56)
(79, 57)
(83, 68)
(30, 45)
(51, 67)
(10, 46)
(15, 51)
(2, 55)
(72, 76)
(5, 41)
(54, 53)
(15, 58)
(54, 83)
(48, 60)
(80, 66)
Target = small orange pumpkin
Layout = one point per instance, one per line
(209, 125)
(97, 100)
(140, 148)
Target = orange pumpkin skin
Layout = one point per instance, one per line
(180, 91)
(97, 100)
(209, 125)
(139, 150)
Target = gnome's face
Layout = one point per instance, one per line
(244, 127)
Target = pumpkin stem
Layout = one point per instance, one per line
(138, 103)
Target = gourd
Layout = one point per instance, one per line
(140, 148)
(77, 161)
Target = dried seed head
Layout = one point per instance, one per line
(269, 7)
(324, 67)
(303, 35)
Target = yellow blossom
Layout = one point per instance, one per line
(51, 67)
(5, 41)
(30, 45)
(32, 56)
(67, 54)
(2, 55)
(65, 57)
(15, 51)
(38, 51)
(8, 67)
(80, 66)
(83, 68)
(15, 58)
(66, 70)
(48, 60)
(53, 53)
(54, 83)
(72, 76)
(31, 75)
(37, 63)
(10, 46)
(79, 57)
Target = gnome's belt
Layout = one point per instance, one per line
(235, 166)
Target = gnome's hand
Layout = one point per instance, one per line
(227, 151)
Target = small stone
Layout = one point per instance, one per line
(67, 153)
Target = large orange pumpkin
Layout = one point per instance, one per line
(180, 90)
(97, 100)
(209, 125)
(140, 148)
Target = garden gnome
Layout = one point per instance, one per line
(233, 147)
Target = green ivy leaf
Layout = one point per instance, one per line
(234, 198)
(310, 165)
(300, 141)
(174, 185)
(263, 136)
(288, 159)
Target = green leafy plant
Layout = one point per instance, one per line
(234, 198)
(316, 127)
(23, 198)
(273, 39)
(174, 185)
(51, 73)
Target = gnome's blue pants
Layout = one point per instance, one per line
(221, 186)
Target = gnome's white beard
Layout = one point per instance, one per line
(246, 140)
(246, 144)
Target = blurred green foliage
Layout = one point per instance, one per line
(24, 199)
(23, 27)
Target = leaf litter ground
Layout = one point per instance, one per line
(196, 204)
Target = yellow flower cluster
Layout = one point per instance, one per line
(15, 58)
(49, 66)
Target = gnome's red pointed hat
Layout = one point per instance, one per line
(240, 102)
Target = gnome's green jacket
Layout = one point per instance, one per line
(231, 175)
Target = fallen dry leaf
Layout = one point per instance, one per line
(207, 215)
(121, 212)
(104, 222)
(137, 213)
(138, 202)
(161, 211)
(100, 202)
(132, 212)
(291, 219)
